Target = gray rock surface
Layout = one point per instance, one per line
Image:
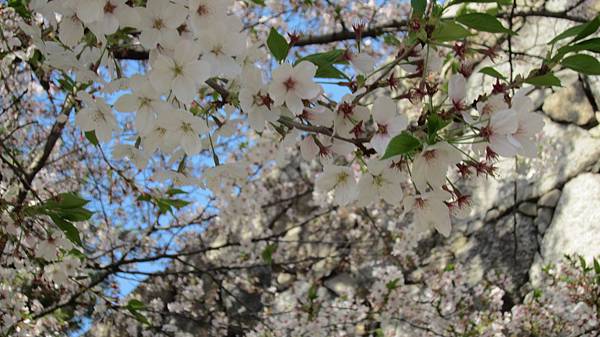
(528, 208)
(342, 285)
(494, 247)
(549, 199)
(543, 219)
(575, 227)
(570, 104)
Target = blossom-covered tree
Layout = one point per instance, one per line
(236, 156)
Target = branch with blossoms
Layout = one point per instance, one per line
(199, 111)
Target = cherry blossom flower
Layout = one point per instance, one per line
(319, 115)
(350, 117)
(430, 167)
(499, 132)
(159, 21)
(529, 124)
(362, 62)
(219, 52)
(341, 180)
(182, 73)
(144, 101)
(510, 131)
(137, 156)
(457, 91)
(388, 122)
(87, 11)
(381, 181)
(290, 85)
(59, 272)
(48, 249)
(309, 148)
(255, 101)
(116, 14)
(177, 178)
(97, 116)
(187, 129)
(492, 105)
(324, 147)
(205, 13)
(71, 29)
(160, 135)
(430, 211)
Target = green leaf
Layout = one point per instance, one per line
(492, 72)
(393, 284)
(324, 62)
(91, 136)
(434, 124)
(582, 63)
(582, 263)
(78, 214)
(404, 143)
(437, 10)
(450, 31)
(20, 6)
(165, 205)
(77, 253)
(483, 22)
(590, 45)
(63, 210)
(169, 205)
(567, 33)
(71, 232)
(259, 2)
(134, 306)
(325, 59)
(596, 267)
(277, 45)
(588, 29)
(175, 191)
(313, 294)
(579, 31)
(267, 253)
(546, 80)
(66, 201)
(329, 71)
(391, 40)
(419, 7)
(178, 203)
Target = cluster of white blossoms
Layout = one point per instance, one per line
(196, 47)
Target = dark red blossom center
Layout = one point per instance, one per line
(346, 109)
(486, 132)
(264, 100)
(202, 10)
(158, 24)
(109, 7)
(429, 155)
(289, 84)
